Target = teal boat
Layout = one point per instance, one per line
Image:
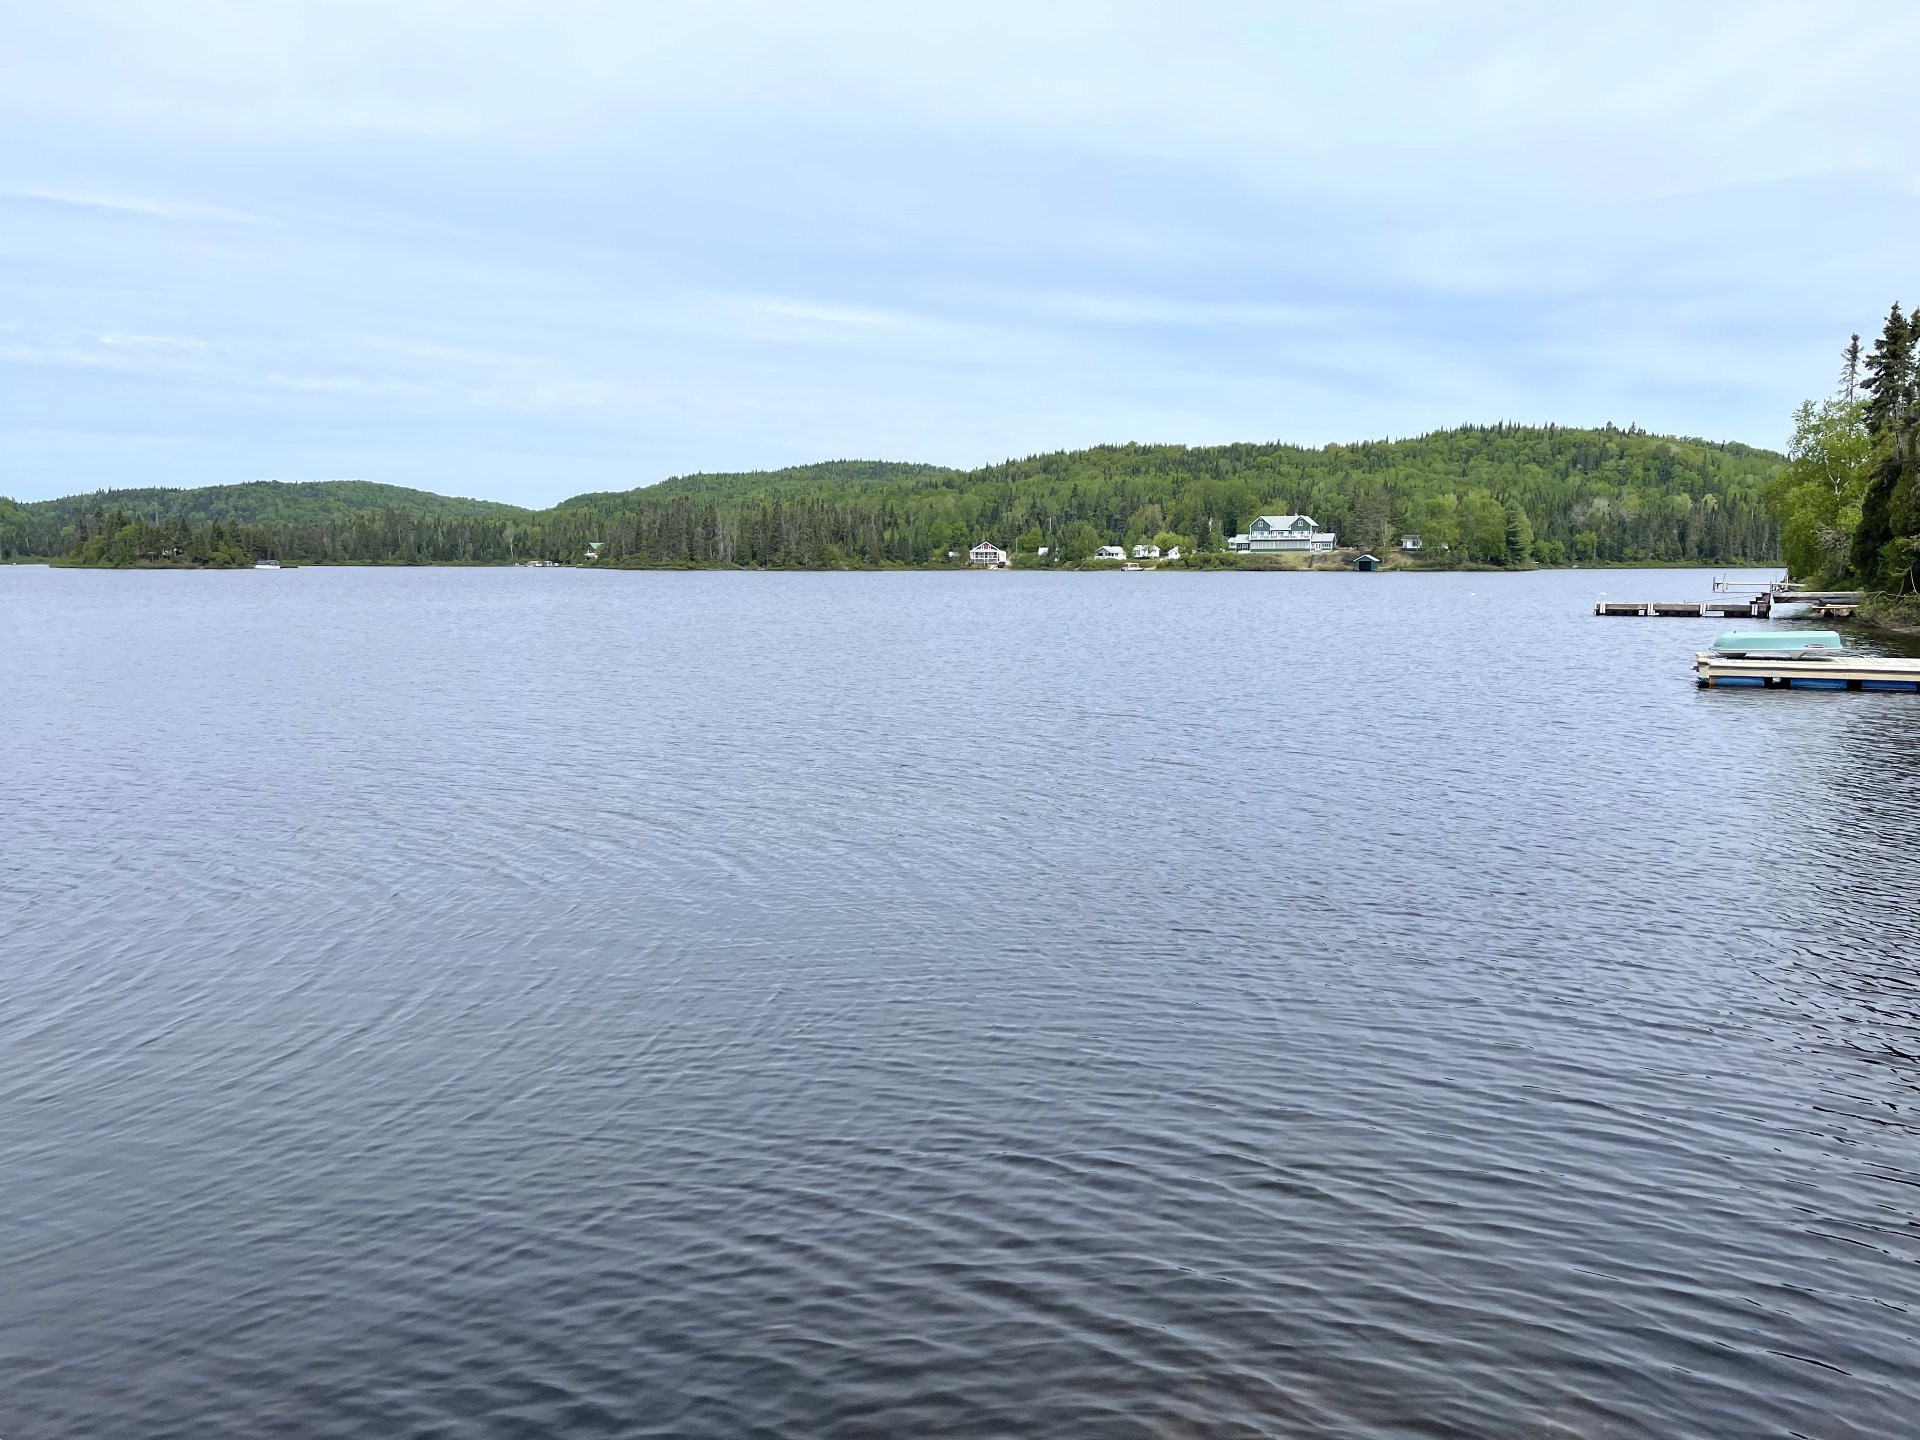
(1779, 644)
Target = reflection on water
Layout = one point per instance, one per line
(553, 1003)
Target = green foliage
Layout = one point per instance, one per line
(1849, 500)
(1889, 375)
(1818, 495)
(1495, 495)
(1893, 612)
(1887, 416)
(109, 538)
(1519, 538)
(1079, 541)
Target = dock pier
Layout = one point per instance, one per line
(1745, 603)
(1755, 609)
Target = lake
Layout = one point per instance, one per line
(499, 1003)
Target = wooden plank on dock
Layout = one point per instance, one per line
(1690, 608)
(1620, 607)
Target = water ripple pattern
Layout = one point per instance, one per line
(547, 1003)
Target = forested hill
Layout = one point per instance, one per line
(823, 480)
(256, 502)
(1498, 494)
(1607, 494)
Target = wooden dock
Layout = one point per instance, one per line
(1755, 609)
(1845, 672)
(1756, 603)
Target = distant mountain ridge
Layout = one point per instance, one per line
(265, 502)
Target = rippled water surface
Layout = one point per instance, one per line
(546, 1003)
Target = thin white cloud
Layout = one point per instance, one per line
(151, 342)
(336, 384)
(1165, 310)
(147, 207)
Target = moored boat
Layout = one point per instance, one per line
(1779, 644)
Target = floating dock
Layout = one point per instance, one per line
(1756, 609)
(1854, 672)
(1757, 604)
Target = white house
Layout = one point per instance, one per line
(1173, 553)
(1409, 542)
(1109, 552)
(1270, 533)
(987, 553)
(1146, 552)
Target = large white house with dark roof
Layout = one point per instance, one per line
(1271, 533)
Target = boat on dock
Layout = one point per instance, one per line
(1795, 595)
(1778, 644)
(1799, 659)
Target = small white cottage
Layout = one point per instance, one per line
(1110, 552)
(987, 553)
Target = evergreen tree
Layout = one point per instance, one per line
(1889, 378)
(1886, 510)
(1519, 536)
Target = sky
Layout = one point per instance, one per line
(525, 250)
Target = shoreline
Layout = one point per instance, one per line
(1386, 567)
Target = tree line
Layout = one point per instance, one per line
(1849, 497)
(1496, 495)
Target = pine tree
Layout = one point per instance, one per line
(1850, 370)
(1889, 380)
(1889, 415)
(1519, 536)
